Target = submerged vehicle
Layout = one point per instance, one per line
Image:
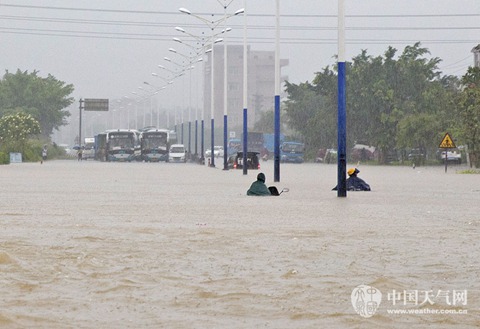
(236, 161)
(88, 149)
(292, 152)
(154, 145)
(121, 145)
(177, 153)
(452, 156)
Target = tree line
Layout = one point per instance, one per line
(31, 107)
(394, 103)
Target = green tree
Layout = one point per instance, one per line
(265, 123)
(469, 107)
(308, 112)
(43, 98)
(391, 102)
(16, 129)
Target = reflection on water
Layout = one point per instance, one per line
(130, 245)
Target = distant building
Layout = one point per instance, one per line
(261, 85)
(476, 56)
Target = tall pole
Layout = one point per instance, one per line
(342, 113)
(276, 174)
(245, 92)
(190, 114)
(196, 121)
(202, 127)
(225, 90)
(80, 123)
(212, 102)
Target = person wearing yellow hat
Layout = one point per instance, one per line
(355, 183)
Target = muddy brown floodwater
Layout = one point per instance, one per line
(141, 245)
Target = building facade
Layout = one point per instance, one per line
(261, 85)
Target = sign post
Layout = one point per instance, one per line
(447, 143)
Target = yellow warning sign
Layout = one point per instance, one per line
(447, 142)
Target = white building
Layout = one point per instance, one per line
(261, 85)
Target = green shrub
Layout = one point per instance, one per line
(4, 158)
(469, 171)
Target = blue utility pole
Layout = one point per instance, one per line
(342, 113)
(276, 140)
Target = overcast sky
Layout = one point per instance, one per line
(107, 49)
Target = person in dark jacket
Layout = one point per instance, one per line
(258, 187)
(355, 183)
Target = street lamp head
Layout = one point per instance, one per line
(161, 66)
(218, 40)
(240, 11)
(172, 50)
(185, 11)
(167, 59)
(179, 29)
(177, 40)
(155, 74)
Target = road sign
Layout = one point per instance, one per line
(447, 142)
(95, 104)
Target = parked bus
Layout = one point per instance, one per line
(121, 145)
(154, 145)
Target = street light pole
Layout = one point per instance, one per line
(225, 90)
(276, 165)
(342, 113)
(245, 93)
(212, 103)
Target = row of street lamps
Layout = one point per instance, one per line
(212, 25)
(197, 54)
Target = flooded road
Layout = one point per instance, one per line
(144, 245)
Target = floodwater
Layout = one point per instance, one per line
(145, 245)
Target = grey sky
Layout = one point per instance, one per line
(106, 58)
